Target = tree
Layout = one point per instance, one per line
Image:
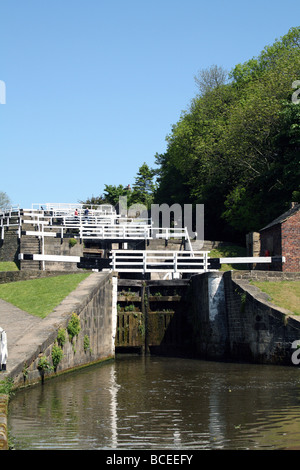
(144, 186)
(4, 200)
(112, 193)
(212, 77)
(94, 201)
(236, 150)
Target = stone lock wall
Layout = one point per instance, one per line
(232, 320)
(258, 331)
(14, 276)
(57, 246)
(207, 316)
(95, 307)
(3, 422)
(9, 246)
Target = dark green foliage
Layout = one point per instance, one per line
(236, 150)
(73, 326)
(57, 355)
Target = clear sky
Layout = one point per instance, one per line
(93, 87)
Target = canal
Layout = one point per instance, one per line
(140, 403)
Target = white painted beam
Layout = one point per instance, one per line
(252, 259)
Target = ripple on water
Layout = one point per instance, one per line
(154, 403)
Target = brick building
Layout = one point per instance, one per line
(282, 238)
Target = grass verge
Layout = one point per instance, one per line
(40, 296)
(229, 251)
(8, 266)
(285, 294)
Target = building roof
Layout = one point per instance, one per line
(283, 217)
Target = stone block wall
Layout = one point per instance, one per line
(290, 235)
(3, 422)
(9, 246)
(265, 275)
(253, 244)
(207, 316)
(232, 320)
(259, 332)
(62, 247)
(14, 276)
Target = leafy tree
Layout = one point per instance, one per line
(112, 193)
(141, 193)
(94, 201)
(144, 186)
(237, 148)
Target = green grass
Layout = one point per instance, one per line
(40, 296)
(285, 294)
(229, 251)
(8, 266)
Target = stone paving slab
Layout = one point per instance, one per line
(15, 321)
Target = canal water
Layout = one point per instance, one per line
(153, 403)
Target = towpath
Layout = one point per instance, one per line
(27, 333)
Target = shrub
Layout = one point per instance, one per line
(6, 386)
(73, 326)
(43, 364)
(72, 242)
(86, 343)
(57, 355)
(61, 337)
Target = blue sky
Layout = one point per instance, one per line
(94, 87)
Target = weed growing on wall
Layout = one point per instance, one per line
(73, 326)
(6, 386)
(72, 242)
(43, 366)
(57, 355)
(86, 343)
(61, 337)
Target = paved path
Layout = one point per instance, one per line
(17, 325)
(15, 322)
(27, 333)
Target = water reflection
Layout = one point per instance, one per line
(161, 403)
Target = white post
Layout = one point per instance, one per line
(43, 247)
(175, 261)
(3, 349)
(113, 260)
(114, 310)
(205, 262)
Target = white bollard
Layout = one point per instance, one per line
(3, 349)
